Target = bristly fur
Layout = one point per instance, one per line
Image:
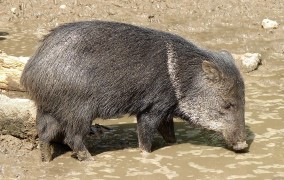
(96, 69)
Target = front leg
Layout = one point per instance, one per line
(146, 127)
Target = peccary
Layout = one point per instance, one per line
(96, 69)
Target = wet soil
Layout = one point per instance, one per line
(231, 25)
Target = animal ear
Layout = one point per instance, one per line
(212, 71)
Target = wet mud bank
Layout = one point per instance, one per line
(234, 26)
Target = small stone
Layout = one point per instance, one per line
(13, 10)
(269, 24)
(250, 61)
(63, 6)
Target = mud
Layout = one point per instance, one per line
(234, 25)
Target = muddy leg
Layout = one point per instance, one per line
(74, 138)
(48, 129)
(147, 124)
(166, 129)
(79, 149)
(46, 151)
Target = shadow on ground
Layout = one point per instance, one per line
(124, 136)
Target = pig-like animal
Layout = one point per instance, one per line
(96, 69)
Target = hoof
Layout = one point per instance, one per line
(145, 153)
(145, 147)
(83, 156)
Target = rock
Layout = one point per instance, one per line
(63, 6)
(10, 71)
(17, 117)
(269, 24)
(13, 10)
(248, 62)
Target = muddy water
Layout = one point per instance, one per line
(197, 154)
(18, 41)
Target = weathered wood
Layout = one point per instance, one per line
(10, 72)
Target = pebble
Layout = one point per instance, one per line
(63, 6)
(250, 61)
(269, 24)
(13, 10)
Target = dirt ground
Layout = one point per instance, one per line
(217, 24)
(185, 17)
(209, 23)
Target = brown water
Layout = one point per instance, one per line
(196, 155)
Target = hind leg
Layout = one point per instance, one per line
(79, 149)
(48, 130)
(75, 133)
